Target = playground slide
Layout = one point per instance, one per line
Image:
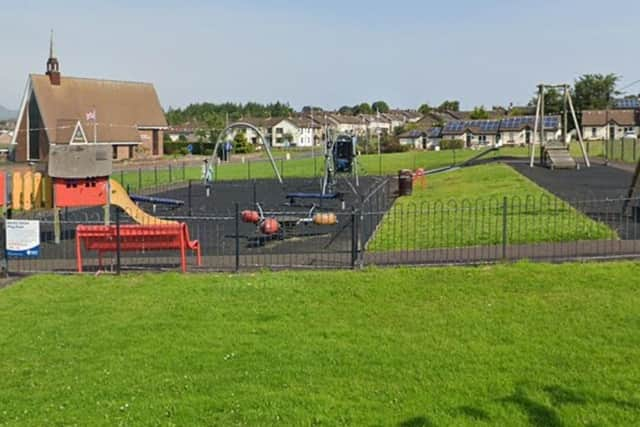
(120, 198)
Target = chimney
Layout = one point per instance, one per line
(53, 66)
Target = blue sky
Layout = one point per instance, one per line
(327, 53)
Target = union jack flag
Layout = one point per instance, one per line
(91, 115)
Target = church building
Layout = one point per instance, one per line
(57, 109)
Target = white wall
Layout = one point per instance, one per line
(602, 132)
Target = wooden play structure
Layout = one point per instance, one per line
(555, 154)
(78, 177)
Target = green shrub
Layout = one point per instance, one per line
(392, 145)
(451, 144)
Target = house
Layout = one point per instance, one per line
(630, 103)
(263, 124)
(307, 133)
(182, 134)
(434, 136)
(397, 120)
(519, 130)
(609, 124)
(416, 139)
(58, 109)
(377, 124)
(348, 124)
(473, 132)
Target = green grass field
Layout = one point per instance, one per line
(517, 345)
(308, 167)
(465, 208)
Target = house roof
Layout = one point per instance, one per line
(412, 134)
(121, 107)
(492, 127)
(604, 117)
(262, 122)
(304, 122)
(346, 120)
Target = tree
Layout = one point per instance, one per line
(553, 102)
(449, 106)
(424, 109)
(363, 108)
(241, 144)
(479, 113)
(346, 110)
(380, 106)
(595, 91)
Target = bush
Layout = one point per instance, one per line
(451, 144)
(199, 148)
(392, 145)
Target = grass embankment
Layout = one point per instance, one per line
(465, 208)
(524, 344)
(307, 167)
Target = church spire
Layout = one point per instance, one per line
(51, 45)
(53, 66)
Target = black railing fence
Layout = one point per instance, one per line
(376, 229)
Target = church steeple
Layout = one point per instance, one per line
(53, 66)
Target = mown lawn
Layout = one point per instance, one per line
(465, 208)
(524, 344)
(307, 167)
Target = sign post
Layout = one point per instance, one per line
(22, 238)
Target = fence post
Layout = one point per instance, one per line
(155, 175)
(282, 167)
(170, 174)
(139, 179)
(118, 251)
(504, 228)
(4, 269)
(184, 171)
(189, 200)
(454, 157)
(354, 238)
(622, 149)
(237, 237)
(249, 169)
(635, 145)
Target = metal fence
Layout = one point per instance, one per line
(625, 150)
(375, 231)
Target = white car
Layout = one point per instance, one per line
(630, 135)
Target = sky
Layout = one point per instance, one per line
(325, 53)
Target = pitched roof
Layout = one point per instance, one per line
(412, 134)
(603, 117)
(347, 120)
(262, 122)
(121, 107)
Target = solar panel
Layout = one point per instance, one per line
(626, 103)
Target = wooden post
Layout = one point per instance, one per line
(56, 225)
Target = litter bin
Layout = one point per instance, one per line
(405, 182)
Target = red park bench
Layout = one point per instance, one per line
(102, 238)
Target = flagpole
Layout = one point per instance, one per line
(95, 126)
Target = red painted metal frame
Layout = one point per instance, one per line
(102, 238)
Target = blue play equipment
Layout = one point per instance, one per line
(156, 200)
